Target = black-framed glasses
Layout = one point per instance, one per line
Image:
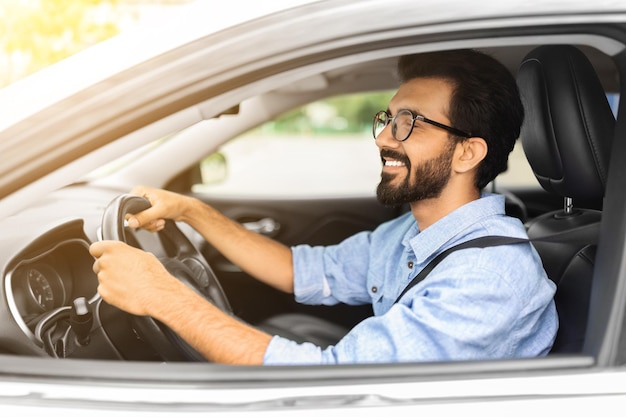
(402, 124)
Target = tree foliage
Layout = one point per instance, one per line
(352, 113)
(37, 33)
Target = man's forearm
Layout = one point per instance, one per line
(219, 337)
(257, 255)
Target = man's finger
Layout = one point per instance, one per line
(96, 267)
(97, 249)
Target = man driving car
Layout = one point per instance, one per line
(446, 133)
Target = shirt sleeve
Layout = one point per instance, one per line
(332, 274)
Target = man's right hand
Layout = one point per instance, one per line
(165, 205)
(257, 255)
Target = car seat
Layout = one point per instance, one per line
(566, 135)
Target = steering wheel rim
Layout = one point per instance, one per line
(187, 264)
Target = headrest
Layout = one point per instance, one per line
(568, 125)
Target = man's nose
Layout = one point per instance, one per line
(385, 139)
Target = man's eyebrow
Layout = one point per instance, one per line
(414, 111)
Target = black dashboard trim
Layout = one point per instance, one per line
(68, 233)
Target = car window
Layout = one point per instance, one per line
(518, 173)
(323, 149)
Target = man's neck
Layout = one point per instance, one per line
(429, 211)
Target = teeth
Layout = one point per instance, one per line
(394, 164)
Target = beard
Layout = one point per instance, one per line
(427, 181)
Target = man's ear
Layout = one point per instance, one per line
(470, 152)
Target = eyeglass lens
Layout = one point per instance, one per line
(401, 124)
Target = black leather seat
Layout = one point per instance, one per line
(566, 136)
(304, 328)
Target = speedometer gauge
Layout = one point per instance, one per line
(40, 289)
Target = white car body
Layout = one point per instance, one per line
(57, 126)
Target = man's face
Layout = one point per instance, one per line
(420, 167)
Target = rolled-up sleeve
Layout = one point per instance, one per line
(332, 274)
(374, 340)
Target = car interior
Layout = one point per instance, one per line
(567, 137)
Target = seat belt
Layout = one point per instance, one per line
(479, 242)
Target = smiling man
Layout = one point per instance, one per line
(446, 134)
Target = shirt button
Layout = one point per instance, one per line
(374, 289)
(410, 264)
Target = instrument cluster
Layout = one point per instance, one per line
(48, 280)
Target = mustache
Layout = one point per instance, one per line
(388, 153)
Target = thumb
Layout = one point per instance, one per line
(134, 222)
(149, 219)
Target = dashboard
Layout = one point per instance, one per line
(44, 278)
(47, 280)
(50, 291)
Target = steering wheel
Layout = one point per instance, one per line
(181, 259)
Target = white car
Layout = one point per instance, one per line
(183, 106)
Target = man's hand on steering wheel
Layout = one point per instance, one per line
(164, 205)
(141, 284)
(131, 279)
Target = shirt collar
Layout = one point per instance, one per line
(445, 230)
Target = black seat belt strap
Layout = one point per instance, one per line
(479, 242)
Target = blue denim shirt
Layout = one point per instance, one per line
(495, 302)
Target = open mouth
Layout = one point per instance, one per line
(393, 159)
(393, 163)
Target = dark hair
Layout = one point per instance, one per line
(485, 101)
